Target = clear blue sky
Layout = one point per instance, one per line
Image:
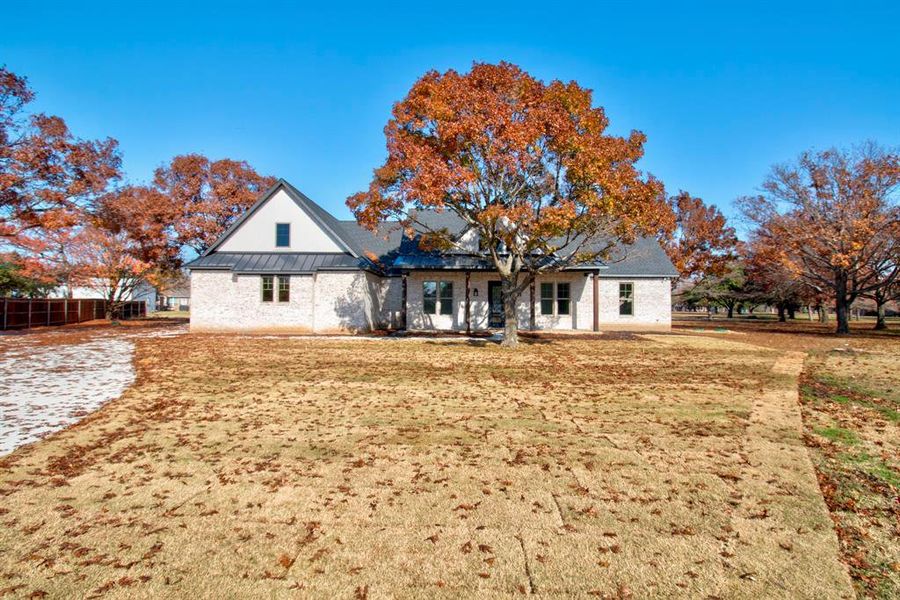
(722, 89)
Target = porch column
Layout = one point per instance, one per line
(596, 301)
(532, 322)
(403, 301)
(468, 310)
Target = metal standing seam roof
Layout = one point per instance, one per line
(278, 262)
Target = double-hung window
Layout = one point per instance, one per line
(437, 297)
(284, 288)
(282, 235)
(546, 298)
(556, 298)
(268, 288)
(563, 301)
(626, 299)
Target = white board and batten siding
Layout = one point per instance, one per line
(257, 234)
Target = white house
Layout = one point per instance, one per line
(287, 265)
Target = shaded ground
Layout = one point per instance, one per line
(51, 378)
(653, 466)
(850, 392)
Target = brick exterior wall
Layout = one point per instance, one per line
(359, 301)
(321, 303)
(652, 303)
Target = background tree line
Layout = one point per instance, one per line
(824, 234)
(530, 167)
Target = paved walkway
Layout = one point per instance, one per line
(52, 378)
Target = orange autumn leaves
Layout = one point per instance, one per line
(496, 146)
(832, 220)
(64, 216)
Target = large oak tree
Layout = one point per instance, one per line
(832, 215)
(527, 165)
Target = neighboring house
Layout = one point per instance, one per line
(175, 296)
(142, 292)
(287, 265)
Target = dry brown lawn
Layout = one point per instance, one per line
(627, 466)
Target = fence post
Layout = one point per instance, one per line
(66, 311)
(29, 314)
(78, 308)
(49, 306)
(5, 311)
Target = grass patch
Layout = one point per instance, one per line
(838, 434)
(850, 398)
(873, 466)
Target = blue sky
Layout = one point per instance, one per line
(722, 89)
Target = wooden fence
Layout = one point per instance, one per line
(23, 313)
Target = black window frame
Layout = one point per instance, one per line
(555, 304)
(429, 299)
(437, 297)
(278, 233)
(270, 279)
(563, 301)
(284, 288)
(547, 299)
(445, 297)
(626, 298)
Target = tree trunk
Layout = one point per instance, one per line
(880, 322)
(823, 313)
(792, 312)
(731, 311)
(510, 298)
(781, 314)
(841, 304)
(809, 311)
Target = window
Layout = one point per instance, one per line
(562, 298)
(446, 288)
(284, 288)
(268, 288)
(429, 297)
(626, 299)
(282, 235)
(437, 297)
(546, 298)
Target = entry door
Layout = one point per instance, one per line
(496, 317)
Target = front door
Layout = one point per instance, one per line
(496, 318)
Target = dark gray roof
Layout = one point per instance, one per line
(388, 250)
(278, 262)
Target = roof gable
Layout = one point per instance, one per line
(312, 228)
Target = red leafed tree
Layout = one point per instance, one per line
(701, 243)
(207, 195)
(833, 215)
(107, 262)
(525, 164)
(125, 241)
(770, 279)
(48, 177)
